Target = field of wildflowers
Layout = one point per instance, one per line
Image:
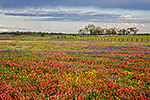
(74, 70)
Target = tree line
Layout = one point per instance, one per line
(31, 33)
(97, 30)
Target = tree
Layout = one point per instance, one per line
(123, 31)
(129, 31)
(133, 29)
(113, 30)
(99, 30)
(81, 31)
(90, 28)
(86, 30)
(94, 30)
(108, 31)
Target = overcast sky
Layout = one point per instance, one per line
(71, 15)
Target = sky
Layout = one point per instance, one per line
(71, 15)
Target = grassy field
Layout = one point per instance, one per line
(121, 38)
(48, 67)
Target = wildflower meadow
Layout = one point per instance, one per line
(74, 70)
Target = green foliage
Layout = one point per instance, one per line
(97, 30)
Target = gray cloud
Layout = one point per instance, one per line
(81, 16)
(70, 16)
(124, 4)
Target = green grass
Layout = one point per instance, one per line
(28, 37)
(129, 38)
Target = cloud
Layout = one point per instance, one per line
(123, 4)
(124, 25)
(3, 30)
(2, 26)
(53, 14)
(11, 27)
(134, 19)
(69, 16)
(60, 15)
(87, 14)
(130, 25)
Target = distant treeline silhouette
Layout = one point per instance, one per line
(32, 33)
(88, 30)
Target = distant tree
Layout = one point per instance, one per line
(123, 31)
(81, 31)
(17, 33)
(113, 30)
(108, 31)
(90, 28)
(99, 30)
(129, 31)
(134, 30)
(86, 29)
(94, 30)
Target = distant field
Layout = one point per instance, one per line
(26, 37)
(123, 38)
(57, 67)
(130, 38)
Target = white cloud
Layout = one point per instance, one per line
(128, 17)
(1, 25)
(126, 25)
(3, 30)
(142, 25)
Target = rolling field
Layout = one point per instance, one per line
(43, 68)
